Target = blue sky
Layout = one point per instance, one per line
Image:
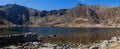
(58, 4)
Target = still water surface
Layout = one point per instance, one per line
(57, 30)
(67, 34)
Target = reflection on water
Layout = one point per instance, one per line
(64, 35)
(85, 38)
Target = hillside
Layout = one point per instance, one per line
(79, 16)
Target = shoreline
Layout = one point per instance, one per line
(114, 42)
(2, 26)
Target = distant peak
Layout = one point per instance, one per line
(11, 5)
(79, 4)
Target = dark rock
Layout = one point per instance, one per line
(18, 38)
(93, 47)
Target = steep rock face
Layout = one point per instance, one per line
(16, 14)
(5, 22)
(2, 20)
(109, 16)
(84, 12)
(20, 15)
(2, 13)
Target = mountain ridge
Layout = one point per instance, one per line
(79, 15)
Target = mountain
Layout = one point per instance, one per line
(79, 16)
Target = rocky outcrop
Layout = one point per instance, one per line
(83, 11)
(5, 22)
(17, 38)
(2, 20)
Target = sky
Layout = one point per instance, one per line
(58, 4)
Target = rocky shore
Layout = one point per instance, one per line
(30, 42)
(17, 38)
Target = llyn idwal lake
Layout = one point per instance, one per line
(56, 30)
(67, 34)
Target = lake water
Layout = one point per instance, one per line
(57, 30)
(67, 34)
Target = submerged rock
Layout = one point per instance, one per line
(30, 37)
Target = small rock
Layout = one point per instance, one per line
(114, 39)
(103, 45)
(12, 47)
(119, 38)
(104, 41)
(80, 45)
(58, 47)
(49, 44)
(72, 48)
(110, 41)
(46, 48)
(35, 43)
(25, 44)
(67, 46)
(20, 47)
(93, 47)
